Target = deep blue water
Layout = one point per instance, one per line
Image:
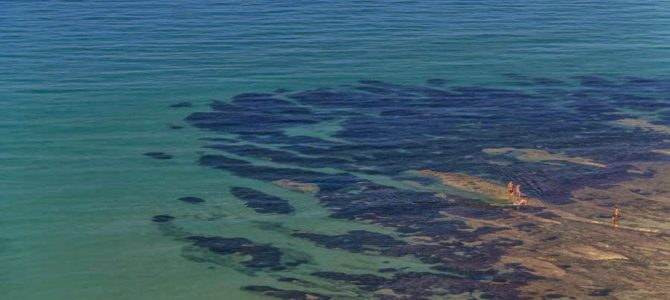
(86, 89)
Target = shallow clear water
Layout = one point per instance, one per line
(85, 89)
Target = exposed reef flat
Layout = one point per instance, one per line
(536, 155)
(471, 184)
(568, 255)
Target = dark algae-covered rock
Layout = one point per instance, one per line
(182, 104)
(162, 218)
(365, 281)
(354, 241)
(262, 202)
(262, 256)
(284, 294)
(158, 155)
(191, 199)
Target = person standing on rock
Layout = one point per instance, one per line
(517, 191)
(615, 216)
(510, 189)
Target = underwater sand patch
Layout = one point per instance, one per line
(307, 188)
(643, 124)
(536, 155)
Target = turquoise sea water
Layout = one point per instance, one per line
(85, 89)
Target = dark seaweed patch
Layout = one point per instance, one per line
(389, 128)
(182, 104)
(279, 156)
(527, 227)
(262, 256)
(284, 294)
(192, 200)
(600, 292)
(221, 140)
(220, 161)
(387, 270)
(353, 241)
(158, 155)
(262, 202)
(326, 182)
(368, 282)
(162, 218)
(436, 81)
(294, 280)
